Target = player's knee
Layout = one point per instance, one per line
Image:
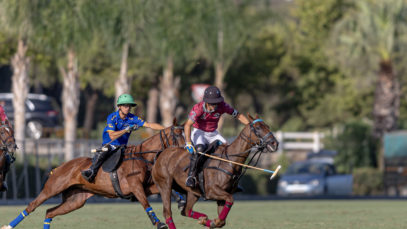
(201, 147)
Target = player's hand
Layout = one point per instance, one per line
(131, 128)
(190, 148)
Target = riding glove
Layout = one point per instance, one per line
(131, 128)
(190, 148)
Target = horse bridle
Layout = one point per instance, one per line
(4, 145)
(262, 141)
(173, 135)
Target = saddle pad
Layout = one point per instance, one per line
(113, 161)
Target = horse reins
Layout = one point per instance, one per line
(165, 143)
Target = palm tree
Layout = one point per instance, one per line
(19, 18)
(220, 30)
(368, 40)
(119, 22)
(67, 31)
(167, 40)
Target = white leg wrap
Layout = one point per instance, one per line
(6, 227)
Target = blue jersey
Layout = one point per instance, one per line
(115, 123)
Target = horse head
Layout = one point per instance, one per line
(177, 134)
(260, 134)
(7, 145)
(7, 141)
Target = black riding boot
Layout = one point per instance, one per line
(97, 161)
(191, 180)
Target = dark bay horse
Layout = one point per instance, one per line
(7, 146)
(220, 177)
(134, 176)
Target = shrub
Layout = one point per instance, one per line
(367, 181)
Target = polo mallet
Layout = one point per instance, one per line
(274, 173)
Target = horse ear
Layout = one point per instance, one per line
(250, 117)
(174, 122)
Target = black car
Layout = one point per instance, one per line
(42, 113)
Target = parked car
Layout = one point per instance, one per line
(314, 177)
(42, 113)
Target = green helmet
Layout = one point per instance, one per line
(125, 99)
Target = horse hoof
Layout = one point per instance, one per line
(162, 226)
(6, 227)
(181, 205)
(219, 223)
(202, 220)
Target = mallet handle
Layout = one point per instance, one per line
(104, 149)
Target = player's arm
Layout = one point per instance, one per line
(115, 134)
(242, 118)
(187, 130)
(154, 126)
(235, 114)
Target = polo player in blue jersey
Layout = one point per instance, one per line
(119, 125)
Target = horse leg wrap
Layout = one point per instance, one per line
(18, 219)
(209, 223)
(170, 223)
(225, 211)
(47, 223)
(151, 214)
(196, 215)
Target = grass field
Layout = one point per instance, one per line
(359, 214)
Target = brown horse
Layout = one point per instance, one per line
(7, 146)
(134, 176)
(220, 177)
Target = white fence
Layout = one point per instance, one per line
(300, 141)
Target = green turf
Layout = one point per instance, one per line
(367, 214)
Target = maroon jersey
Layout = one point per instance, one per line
(3, 116)
(207, 121)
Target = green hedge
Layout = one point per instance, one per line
(367, 181)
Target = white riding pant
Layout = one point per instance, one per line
(206, 138)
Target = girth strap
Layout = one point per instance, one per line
(116, 186)
(222, 170)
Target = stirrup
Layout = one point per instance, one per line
(88, 175)
(190, 182)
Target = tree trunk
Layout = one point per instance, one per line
(386, 104)
(122, 85)
(90, 111)
(168, 93)
(220, 69)
(152, 105)
(219, 76)
(20, 63)
(70, 103)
